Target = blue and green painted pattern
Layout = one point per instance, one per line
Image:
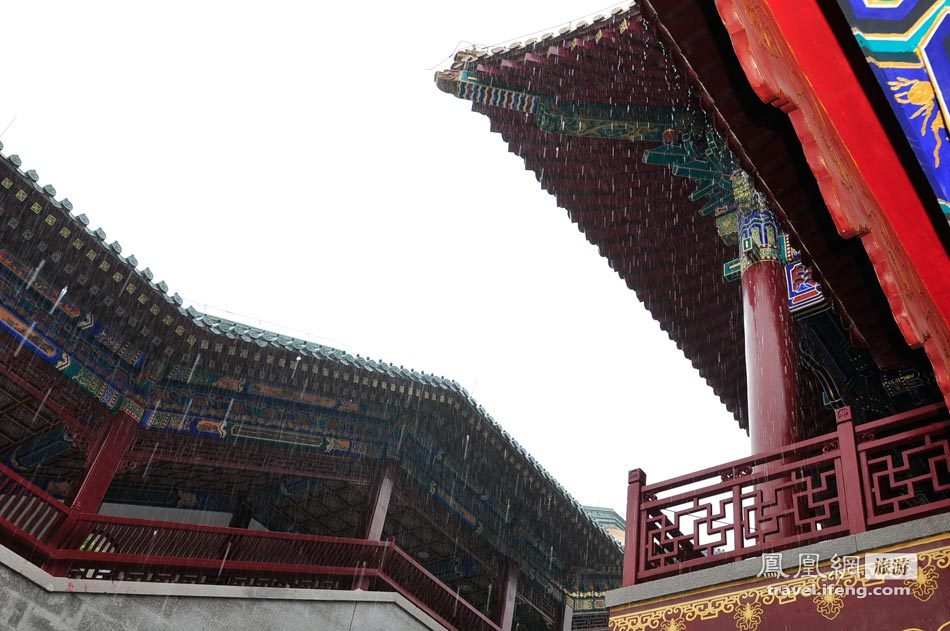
(710, 165)
(907, 44)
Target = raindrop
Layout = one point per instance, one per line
(228, 411)
(35, 273)
(148, 465)
(227, 550)
(23, 338)
(40, 407)
(59, 298)
(193, 366)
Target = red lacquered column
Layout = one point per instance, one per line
(771, 368)
(102, 462)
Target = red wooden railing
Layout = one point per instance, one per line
(68, 543)
(855, 478)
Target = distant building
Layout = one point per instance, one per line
(143, 441)
(609, 520)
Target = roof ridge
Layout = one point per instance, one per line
(543, 37)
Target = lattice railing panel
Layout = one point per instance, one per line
(881, 472)
(906, 473)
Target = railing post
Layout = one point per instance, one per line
(738, 519)
(850, 485)
(636, 480)
(53, 565)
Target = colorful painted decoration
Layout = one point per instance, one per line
(709, 164)
(468, 87)
(33, 280)
(759, 236)
(804, 292)
(585, 120)
(122, 349)
(28, 337)
(13, 269)
(907, 44)
(41, 448)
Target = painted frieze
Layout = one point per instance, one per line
(903, 587)
(907, 44)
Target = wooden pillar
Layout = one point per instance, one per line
(636, 479)
(379, 505)
(103, 460)
(771, 366)
(506, 616)
(770, 343)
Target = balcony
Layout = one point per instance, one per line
(857, 478)
(75, 545)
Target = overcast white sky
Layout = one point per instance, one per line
(293, 163)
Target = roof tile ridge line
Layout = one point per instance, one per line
(543, 36)
(31, 177)
(417, 376)
(737, 147)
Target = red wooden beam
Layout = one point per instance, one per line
(103, 461)
(60, 411)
